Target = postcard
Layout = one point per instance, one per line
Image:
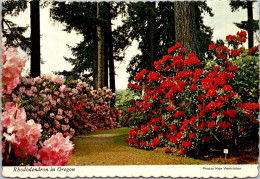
(130, 89)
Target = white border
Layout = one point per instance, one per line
(201, 171)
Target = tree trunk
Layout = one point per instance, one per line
(35, 39)
(95, 62)
(106, 55)
(106, 70)
(95, 67)
(151, 21)
(111, 65)
(111, 58)
(185, 27)
(250, 27)
(100, 51)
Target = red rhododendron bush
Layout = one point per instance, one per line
(40, 115)
(189, 108)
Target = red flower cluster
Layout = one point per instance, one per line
(237, 39)
(188, 102)
(172, 49)
(140, 75)
(212, 46)
(130, 85)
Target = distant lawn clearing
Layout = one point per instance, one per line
(108, 147)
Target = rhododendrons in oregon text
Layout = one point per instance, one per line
(187, 107)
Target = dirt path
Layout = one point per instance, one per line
(109, 148)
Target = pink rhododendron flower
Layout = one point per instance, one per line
(28, 132)
(40, 113)
(58, 117)
(46, 125)
(55, 151)
(37, 164)
(38, 80)
(62, 88)
(66, 120)
(47, 76)
(20, 133)
(59, 79)
(8, 116)
(10, 138)
(52, 115)
(60, 111)
(12, 64)
(74, 91)
(72, 131)
(63, 127)
(10, 86)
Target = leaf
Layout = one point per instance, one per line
(23, 153)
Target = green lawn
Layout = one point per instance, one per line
(108, 147)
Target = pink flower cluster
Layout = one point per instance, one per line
(65, 108)
(55, 151)
(20, 133)
(20, 141)
(12, 65)
(23, 137)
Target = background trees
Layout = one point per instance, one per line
(86, 24)
(97, 52)
(13, 33)
(250, 25)
(152, 24)
(165, 30)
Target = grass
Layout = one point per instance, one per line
(123, 131)
(108, 147)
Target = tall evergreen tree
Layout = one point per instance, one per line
(13, 33)
(185, 25)
(35, 39)
(152, 25)
(86, 52)
(250, 25)
(109, 43)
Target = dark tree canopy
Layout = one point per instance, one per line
(150, 23)
(80, 17)
(13, 33)
(86, 24)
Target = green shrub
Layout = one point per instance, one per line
(125, 99)
(247, 78)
